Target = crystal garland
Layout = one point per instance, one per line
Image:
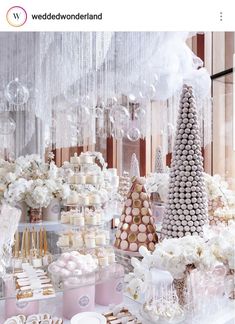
(107, 79)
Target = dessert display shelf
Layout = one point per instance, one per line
(84, 229)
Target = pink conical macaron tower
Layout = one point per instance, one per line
(136, 227)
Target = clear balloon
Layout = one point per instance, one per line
(16, 93)
(119, 115)
(133, 134)
(147, 90)
(7, 125)
(139, 113)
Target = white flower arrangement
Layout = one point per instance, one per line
(32, 180)
(221, 241)
(41, 192)
(174, 255)
(57, 188)
(38, 194)
(31, 167)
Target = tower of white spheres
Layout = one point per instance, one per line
(186, 210)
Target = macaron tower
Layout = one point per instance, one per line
(186, 209)
(136, 227)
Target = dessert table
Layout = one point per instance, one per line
(54, 306)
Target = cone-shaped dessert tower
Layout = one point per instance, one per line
(136, 227)
(159, 167)
(186, 210)
(134, 169)
(124, 184)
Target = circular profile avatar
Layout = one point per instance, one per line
(16, 16)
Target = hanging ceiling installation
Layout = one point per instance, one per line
(71, 79)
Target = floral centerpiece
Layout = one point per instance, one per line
(178, 256)
(221, 241)
(33, 181)
(222, 244)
